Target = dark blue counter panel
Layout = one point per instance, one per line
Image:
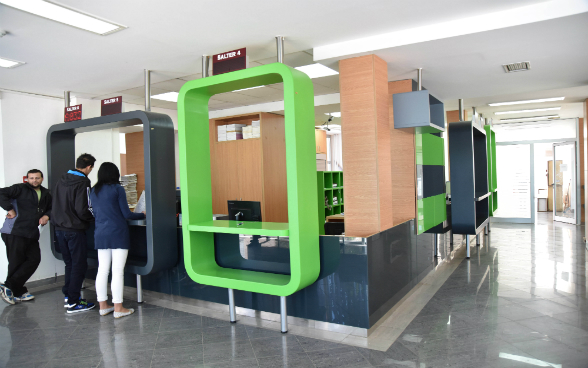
(360, 279)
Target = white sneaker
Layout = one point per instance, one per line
(104, 312)
(124, 314)
(25, 297)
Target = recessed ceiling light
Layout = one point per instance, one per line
(317, 70)
(168, 96)
(530, 118)
(335, 114)
(521, 111)
(7, 63)
(65, 15)
(527, 101)
(245, 89)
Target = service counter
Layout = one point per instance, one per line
(360, 280)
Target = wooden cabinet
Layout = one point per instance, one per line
(320, 136)
(251, 169)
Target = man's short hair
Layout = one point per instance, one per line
(85, 160)
(34, 171)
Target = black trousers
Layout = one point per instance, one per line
(24, 256)
(73, 247)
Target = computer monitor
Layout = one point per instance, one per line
(247, 210)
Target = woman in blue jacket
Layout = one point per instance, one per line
(111, 237)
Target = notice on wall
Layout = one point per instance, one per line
(111, 106)
(229, 61)
(72, 113)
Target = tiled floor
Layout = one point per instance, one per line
(520, 301)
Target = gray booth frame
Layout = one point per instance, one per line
(160, 194)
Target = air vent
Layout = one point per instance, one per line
(517, 67)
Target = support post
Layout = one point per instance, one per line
(205, 65)
(280, 48)
(420, 79)
(232, 313)
(436, 245)
(460, 103)
(147, 90)
(139, 290)
(450, 232)
(477, 240)
(486, 229)
(467, 246)
(67, 98)
(283, 314)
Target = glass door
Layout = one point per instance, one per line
(515, 187)
(562, 180)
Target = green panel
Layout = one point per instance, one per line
(320, 182)
(431, 211)
(491, 153)
(194, 144)
(242, 227)
(429, 150)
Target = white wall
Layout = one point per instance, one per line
(24, 123)
(3, 261)
(103, 145)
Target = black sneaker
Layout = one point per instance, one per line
(81, 306)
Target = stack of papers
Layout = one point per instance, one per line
(129, 183)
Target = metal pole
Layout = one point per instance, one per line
(450, 237)
(283, 314)
(67, 98)
(474, 113)
(232, 313)
(147, 90)
(460, 103)
(436, 245)
(467, 246)
(205, 65)
(280, 48)
(420, 79)
(486, 229)
(139, 290)
(477, 240)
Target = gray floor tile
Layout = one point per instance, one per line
(184, 338)
(134, 343)
(547, 307)
(288, 360)
(224, 334)
(248, 363)
(517, 312)
(171, 313)
(120, 357)
(310, 344)
(214, 322)
(225, 351)
(177, 357)
(270, 346)
(256, 332)
(89, 362)
(181, 323)
(577, 319)
(339, 357)
(396, 354)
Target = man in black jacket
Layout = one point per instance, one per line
(73, 216)
(28, 205)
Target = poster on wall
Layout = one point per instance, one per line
(110, 106)
(229, 61)
(72, 113)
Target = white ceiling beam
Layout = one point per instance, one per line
(508, 18)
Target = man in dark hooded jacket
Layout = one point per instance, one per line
(29, 207)
(73, 216)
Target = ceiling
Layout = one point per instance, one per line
(170, 38)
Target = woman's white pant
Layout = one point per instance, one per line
(118, 258)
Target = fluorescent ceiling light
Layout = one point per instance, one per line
(245, 89)
(62, 14)
(531, 118)
(527, 101)
(7, 63)
(317, 70)
(335, 114)
(168, 96)
(520, 111)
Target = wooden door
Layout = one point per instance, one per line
(225, 177)
(320, 137)
(249, 176)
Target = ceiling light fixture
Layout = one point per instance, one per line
(168, 96)
(65, 15)
(245, 89)
(335, 114)
(7, 63)
(317, 70)
(521, 111)
(527, 101)
(531, 118)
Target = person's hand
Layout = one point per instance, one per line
(144, 212)
(43, 220)
(11, 214)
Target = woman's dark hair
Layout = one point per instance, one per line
(107, 174)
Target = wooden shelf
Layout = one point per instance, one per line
(325, 181)
(242, 227)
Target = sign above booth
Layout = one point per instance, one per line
(229, 61)
(72, 113)
(111, 106)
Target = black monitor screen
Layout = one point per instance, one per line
(247, 211)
